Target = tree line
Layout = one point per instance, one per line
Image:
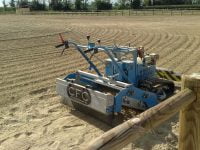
(85, 5)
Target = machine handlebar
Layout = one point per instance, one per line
(88, 50)
(95, 50)
(60, 45)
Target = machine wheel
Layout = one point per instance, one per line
(162, 88)
(161, 94)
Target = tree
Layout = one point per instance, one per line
(12, 3)
(187, 1)
(147, 2)
(4, 5)
(36, 5)
(78, 4)
(85, 4)
(23, 3)
(135, 4)
(103, 5)
(56, 5)
(122, 4)
(67, 5)
(170, 2)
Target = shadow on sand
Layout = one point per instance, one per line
(162, 135)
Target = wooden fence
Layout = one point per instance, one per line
(142, 12)
(7, 12)
(21, 11)
(186, 102)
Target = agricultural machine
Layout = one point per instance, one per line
(130, 80)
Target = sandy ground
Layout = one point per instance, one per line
(31, 115)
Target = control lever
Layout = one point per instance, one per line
(64, 43)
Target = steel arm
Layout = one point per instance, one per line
(107, 50)
(85, 56)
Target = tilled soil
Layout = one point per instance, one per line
(31, 115)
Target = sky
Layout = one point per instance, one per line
(1, 4)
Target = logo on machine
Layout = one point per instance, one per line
(79, 94)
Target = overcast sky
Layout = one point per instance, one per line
(1, 4)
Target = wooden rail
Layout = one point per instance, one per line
(141, 12)
(189, 136)
(187, 102)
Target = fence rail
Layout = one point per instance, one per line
(187, 102)
(146, 12)
(7, 12)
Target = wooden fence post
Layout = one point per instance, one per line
(132, 129)
(189, 138)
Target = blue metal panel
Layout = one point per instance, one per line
(112, 71)
(85, 80)
(114, 62)
(150, 99)
(146, 72)
(129, 69)
(70, 76)
(91, 45)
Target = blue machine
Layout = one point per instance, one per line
(129, 80)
